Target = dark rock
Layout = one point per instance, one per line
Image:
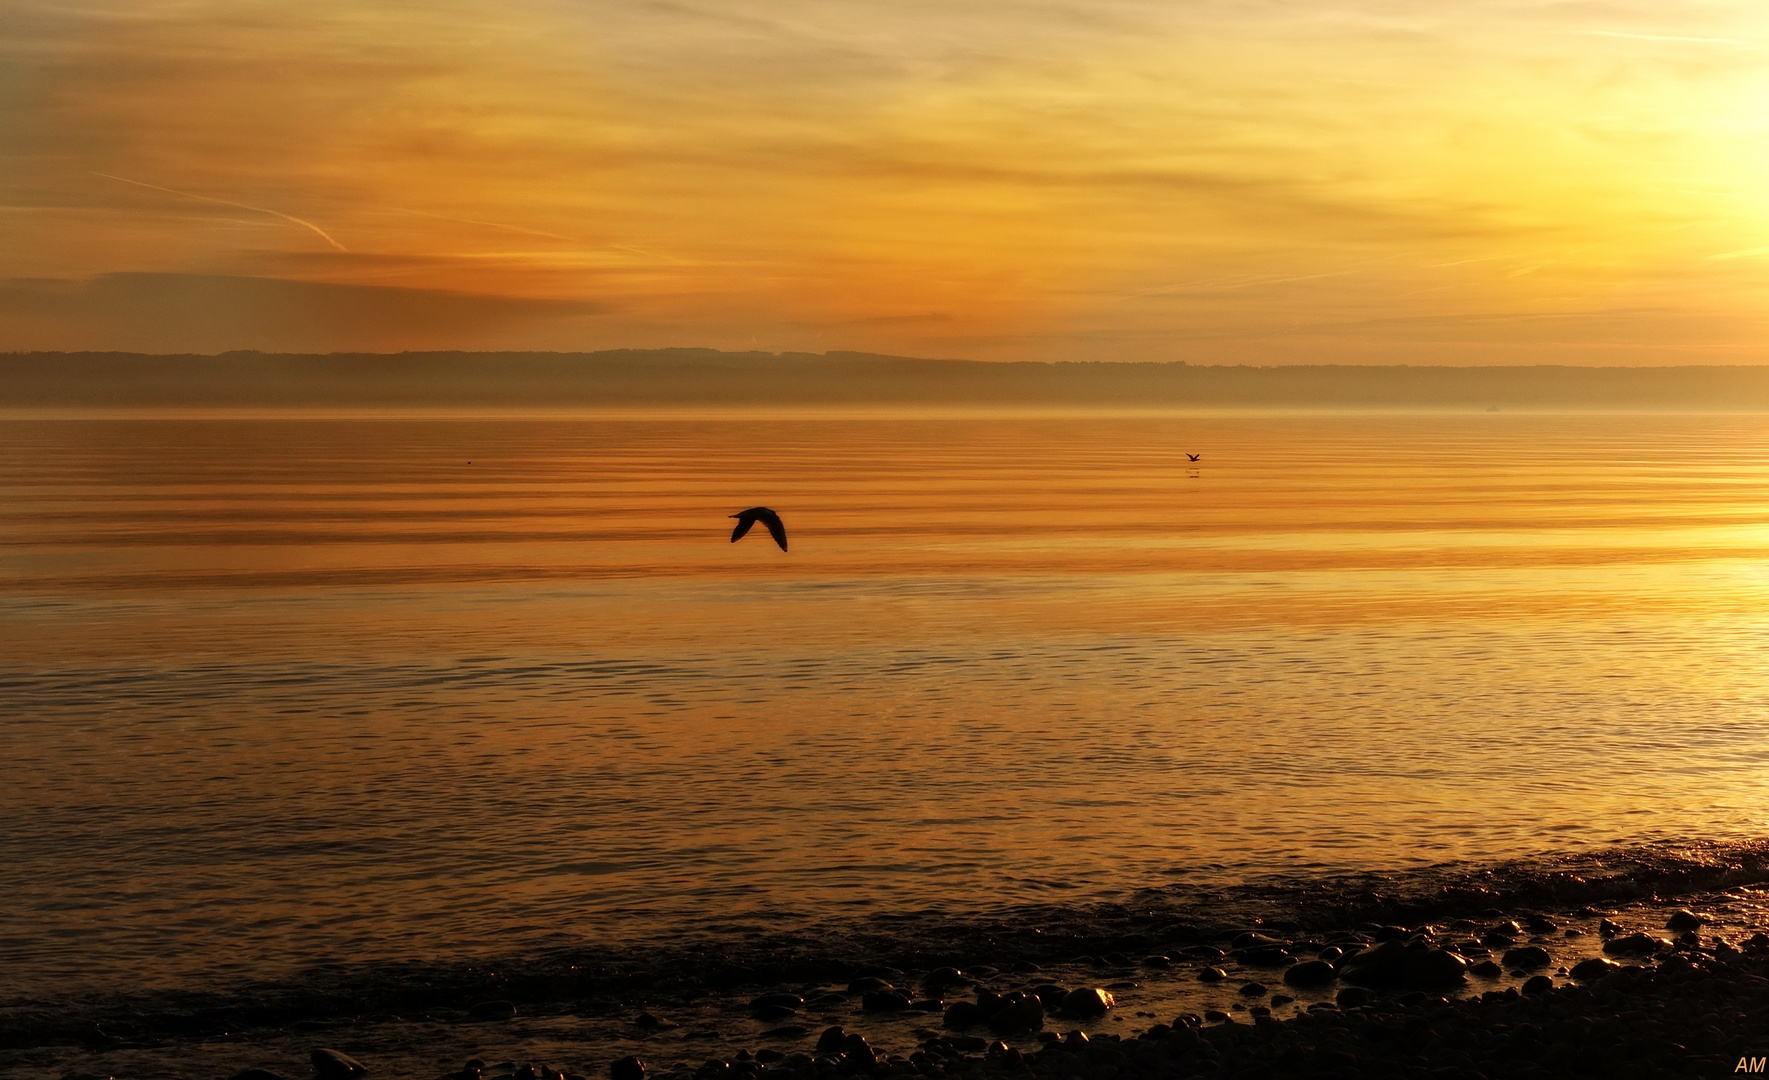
(647, 1021)
(961, 1014)
(627, 1068)
(1392, 933)
(1253, 990)
(1495, 940)
(1281, 999)
(767, 1013)
(1330, 953)
(1539, 924)
(884, 1001)
(927, 1005)
(1353, 997)
(1253, 939)
(1635, 945)
(1527, 957)
(941, 978)
(830, 1041)
(769, 1057)
(1394, 964)
(1594, 968)
(1486, 969)
(868, 985)
(1087, 1001)
(857, 1051)
(1607, 929)
(1684, 920)
(492, 1010)
(1217, 1016)
(1022, 1012)
(1157, 961)
(785, 1001)
(968, 1044)
(1212, 974)
(1538, 984)
(1312, 973)
(335, 1065)
(1051, 995)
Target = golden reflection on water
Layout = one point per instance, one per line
(1007, 659)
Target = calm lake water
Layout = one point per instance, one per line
(278, 691)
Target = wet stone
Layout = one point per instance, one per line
(1212, 974)
(1051, 995)
(767, 1013)
(1021, 1012)
(1683, 921)
(831, 1040)
(1486, 969)
(1538, 984)
(1253, 989)
(868, 985)
(1309, 974)
(1527, 958)
(1635, 945)
(1088, 1001)
(627, 1068)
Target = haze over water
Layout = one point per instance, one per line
(286, 690)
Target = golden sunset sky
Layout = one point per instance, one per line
(1261, 181)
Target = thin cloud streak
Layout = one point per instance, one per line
(323, 235)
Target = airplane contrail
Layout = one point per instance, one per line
(323, 235)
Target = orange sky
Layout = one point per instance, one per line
(1262, 181)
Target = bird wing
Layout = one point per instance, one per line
(776, 529)
(744, 521)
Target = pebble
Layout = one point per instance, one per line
(1310, 973)
(1212, 974)
(627, 1068)
(1638, 944)
(1088, 1001)
(1527, 957)
(1684, 920)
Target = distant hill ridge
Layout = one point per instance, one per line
(710, 377)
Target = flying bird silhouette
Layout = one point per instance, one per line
(1193, 457)
(766, 517)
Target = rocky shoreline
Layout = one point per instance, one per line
(1652, 982)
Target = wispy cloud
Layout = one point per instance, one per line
(321, 233)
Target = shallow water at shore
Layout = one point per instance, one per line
(288, 691)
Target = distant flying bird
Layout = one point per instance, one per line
(1194, 457)
(766, 517)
